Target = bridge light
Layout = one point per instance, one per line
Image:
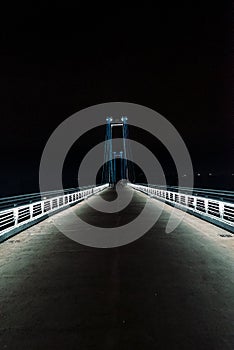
(109, 119)
(124, 119)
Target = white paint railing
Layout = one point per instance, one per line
(14, 219)
(216, 211)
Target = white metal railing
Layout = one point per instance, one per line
(23, 215)
(217, 211)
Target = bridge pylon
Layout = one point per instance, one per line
(110, 156)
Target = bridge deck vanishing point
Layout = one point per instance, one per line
(163, 291)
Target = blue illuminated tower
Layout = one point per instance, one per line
(107, 171)
(124, 159)
(110, 156)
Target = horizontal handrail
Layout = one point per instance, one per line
(8, 202)
(222, 195)
(18, 217)
(216, 211)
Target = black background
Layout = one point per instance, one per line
(173, 59)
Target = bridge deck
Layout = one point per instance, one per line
(164, 291)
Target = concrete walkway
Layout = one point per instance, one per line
(163, 291)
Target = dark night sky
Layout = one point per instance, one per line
(57, 61)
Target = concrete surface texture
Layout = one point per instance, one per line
(163, 291)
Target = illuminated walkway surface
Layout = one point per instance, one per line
(163, 291)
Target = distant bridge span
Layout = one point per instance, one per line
(20, 212)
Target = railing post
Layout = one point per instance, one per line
(206, 204)
(15, 211)
(31, 211)
(221, 210)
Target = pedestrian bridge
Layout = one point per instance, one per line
(163, 291)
